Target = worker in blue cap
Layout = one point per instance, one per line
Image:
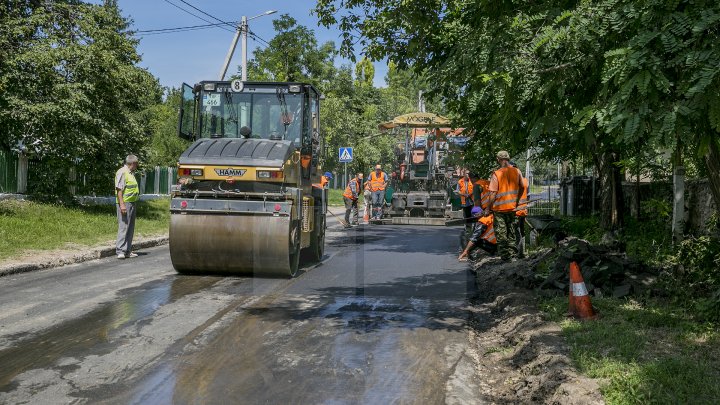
(325, 179)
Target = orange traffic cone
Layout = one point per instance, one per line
(580, 306)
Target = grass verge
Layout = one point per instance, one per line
(26, 225)
(335, 197)
(644, 352)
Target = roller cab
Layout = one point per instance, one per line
(245, 201)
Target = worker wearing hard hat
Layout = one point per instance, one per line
(350, 197)
(506, 187)
(378, 181)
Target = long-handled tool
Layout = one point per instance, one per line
(342, 221)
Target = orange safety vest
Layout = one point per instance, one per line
(485, 198)
(377, 183)
(522, 208)
(489, 234)
(508, 188)
(464, 187)
(348, 191)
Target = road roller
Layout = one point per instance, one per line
(248, 199)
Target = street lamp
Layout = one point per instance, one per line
(241, 29)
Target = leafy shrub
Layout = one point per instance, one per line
(698, 274)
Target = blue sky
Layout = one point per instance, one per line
(198, 55)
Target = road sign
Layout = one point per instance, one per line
(345, 155)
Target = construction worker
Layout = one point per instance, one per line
(483, 235)
(378, 180)
(127, 193)
(521, 212)
(325, 179)
(506, 187)
(464, 189)
(350, 197)
(367, 196)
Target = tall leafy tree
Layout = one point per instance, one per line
(599, 79)
(71, 92)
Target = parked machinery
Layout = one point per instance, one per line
(424, 175)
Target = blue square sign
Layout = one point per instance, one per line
(345, 155)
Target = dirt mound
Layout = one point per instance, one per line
(521, 357)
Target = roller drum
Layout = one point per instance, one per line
(234, 243)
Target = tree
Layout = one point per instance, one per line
(598, 79)
(165, 145)
(293, 55)
(71, 91)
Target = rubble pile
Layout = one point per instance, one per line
(607, 272)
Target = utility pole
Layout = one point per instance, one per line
(241, 30)
(244, 30)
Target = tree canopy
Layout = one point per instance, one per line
(601, 79)
(70, 89)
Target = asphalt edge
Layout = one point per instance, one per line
(91, 254)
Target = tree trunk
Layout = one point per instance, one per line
(712, 161)
(611, 194)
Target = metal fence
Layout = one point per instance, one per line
(8, 171)
(544, 193)
(155, 180)
(158, 180)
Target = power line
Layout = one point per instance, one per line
(190, 27)
(197, 16)
(258, 38)
(201, 11)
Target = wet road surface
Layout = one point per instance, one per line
(382, 319)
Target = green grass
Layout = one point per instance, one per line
(644, 353)
(335, 197)
(28, 225)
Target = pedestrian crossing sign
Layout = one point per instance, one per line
(346, 155)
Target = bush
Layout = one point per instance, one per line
(697, 275)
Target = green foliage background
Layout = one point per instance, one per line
(71, 93)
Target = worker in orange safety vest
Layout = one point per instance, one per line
(464, 189)
(483, 235)
(378, 180)
(506, 188)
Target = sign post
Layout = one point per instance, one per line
(345, 155)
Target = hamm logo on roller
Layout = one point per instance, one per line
(230, 172)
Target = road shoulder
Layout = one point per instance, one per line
(56, 258)
(519, 355)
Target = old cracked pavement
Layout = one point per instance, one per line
(382, 319)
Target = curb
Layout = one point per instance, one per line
(93, 254)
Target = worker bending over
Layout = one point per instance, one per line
(350, 197)
(378, 180)
(506, 187)
(482, 236)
